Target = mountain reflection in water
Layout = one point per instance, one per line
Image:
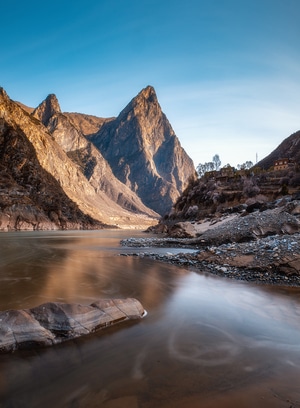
(206, 341)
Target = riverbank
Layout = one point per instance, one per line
(272, 260)
(262, 247)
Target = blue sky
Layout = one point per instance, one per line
(226, 72)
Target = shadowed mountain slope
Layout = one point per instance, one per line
(30, 197)
(144, 152)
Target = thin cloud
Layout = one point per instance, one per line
(236, 119)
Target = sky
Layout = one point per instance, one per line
(226, 72)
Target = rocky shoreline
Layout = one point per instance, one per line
(262, 247)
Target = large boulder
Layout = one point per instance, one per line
(52, 323)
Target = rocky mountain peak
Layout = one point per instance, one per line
(147, 93)
(144, 152)
(47, 109)
(142, 105)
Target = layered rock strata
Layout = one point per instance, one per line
(53, 323)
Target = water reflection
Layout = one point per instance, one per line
(206, 342)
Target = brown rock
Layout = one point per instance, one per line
(130, 308)
(52, 323)
(289, 265)
(69, 320)
(19, 329)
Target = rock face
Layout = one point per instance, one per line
(30, 197)
(86, 124)
(85, 155)
(53, 323)
(37, 168)
(144, 152)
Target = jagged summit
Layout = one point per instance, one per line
(145, 153)
(47, 109)
(145, 100)
(147, 93)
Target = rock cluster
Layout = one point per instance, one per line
(272, 260)
(256, 225)
(259, 247)
(248, 222)
(53, 323)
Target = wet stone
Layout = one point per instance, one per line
(53, 322)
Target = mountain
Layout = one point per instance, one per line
(73, 170)
(289, 148)
(50, 162)
(86, 156)
(144, 152)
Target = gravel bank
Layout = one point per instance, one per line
(272, 260)
(263, 247)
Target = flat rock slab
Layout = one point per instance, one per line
(52, 323)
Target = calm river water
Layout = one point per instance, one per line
(206, 341)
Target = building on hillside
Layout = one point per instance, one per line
(227, 171)
(284, 163)
(211, 174)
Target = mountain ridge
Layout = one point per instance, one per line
(56, 162)
(90, 160)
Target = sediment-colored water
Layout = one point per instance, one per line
(205, 342)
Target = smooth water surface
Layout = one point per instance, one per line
(205, 342)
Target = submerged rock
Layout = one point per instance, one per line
(52, 323)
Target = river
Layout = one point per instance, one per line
(206, 341)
